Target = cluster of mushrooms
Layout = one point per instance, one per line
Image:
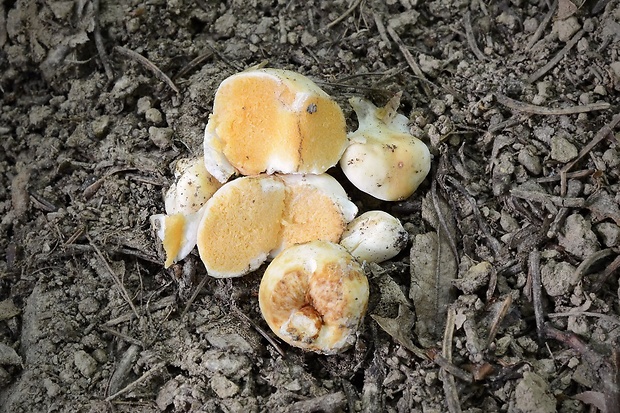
(280, 132)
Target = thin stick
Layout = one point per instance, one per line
(567, 202)
(471, 39)
(122, 336)
(262, 332)
(191, 65)
(343, 15)
(576, 174)
(605, 131)
(194, 295)
(534, 269)
(148, 65)
(609, 270)
(449, 384)
(556, 59)
(163, 303)
(541, 27)
(497, 320)
(147, 375)
(381, 27)
(541, 110)
(103, 55)
(606, 317)
(410, 60)
(118, 282)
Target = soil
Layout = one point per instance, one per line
(506, 298)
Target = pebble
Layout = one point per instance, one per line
(437, 106)
(532, 395)
(562, 150)
(612, 158)
(474, 278)
(154, 116)
(565, 29)
(610, 233)
(577, 237)
(508, 222)
(530, 161)
(8, 356)
(429, 64)
(223, 387)
(100, 126)
(52, 389)
(615, 67)
(89, 305)
(557, 277)
(161, 137)
(144, 104)
(85, 363)
(530, 25)
(39, 115)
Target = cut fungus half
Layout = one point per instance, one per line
(178, 234)
(314, 296)
(374, 236)
(271, 120)
(383, 159)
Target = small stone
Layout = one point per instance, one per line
(223, 387)
(474, 278)
(100, 126)
(89, 305)
(8, 356)
(161, 137)
(100, 355)
(438, 107)
(565, 29)
(577, 237)
(610, 233)
(429, 64)
(154, 116)
(8, 309)
(530, 25)
(600, 90)
(39, 115)
(615, 67)
(52, 389)
(562, 150)
(532, 395)
(144, 104)
(611, 157)
(508, 222)
(167, 393)
(557, 277)
(85, 363)
(530, 161)
(307, 39)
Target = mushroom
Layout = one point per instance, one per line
(314, 296)
(255, 217)
(383, 159)
(241, 225)
(193, 187)
(374, 236)
(316, 208)
(270, 120)
(178, 234)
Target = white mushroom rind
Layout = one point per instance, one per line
(374, 236)
(192, 188)
(314, 296)
(182, 243)
(383, 159)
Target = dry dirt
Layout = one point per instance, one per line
(508, 301)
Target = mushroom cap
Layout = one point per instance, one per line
(270, 120)
(192, 188)
(314, 296)
(241, 225)
(374, 236)
(316, 208)
(383, 159)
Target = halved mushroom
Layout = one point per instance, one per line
(314, 296)
(177, 233)
(270, 120)
(193, 187)
(383, 159)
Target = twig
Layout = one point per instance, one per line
(163, 303)
(605, 131)
(585, 265)
(262, 332)
(484, 227)
(556, 59)
(497, 320)
(541, 110)
(103, 55)
(449, 384)
(443, 362)
(567, 202)
(122, 336)
(534, 270)
(381, 27)
(541, 27)
(606, 317)
(332, 402)
(148, 65)
(344, 15)
(118, 282)
(191, 65)
(410, 60)
(471, 39)
(609, 270)
(147, 375)
(576, 174)
(442, 221)
(194, 295)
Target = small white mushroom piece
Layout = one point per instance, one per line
(374, 236)
(192, 188)
(178, 233)
(383, 159)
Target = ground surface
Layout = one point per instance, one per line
(513, 98)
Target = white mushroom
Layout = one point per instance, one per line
(178, 234)
(270, 120)
(193, 187)
(383, 158)
(374, 236)
(314, 296)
